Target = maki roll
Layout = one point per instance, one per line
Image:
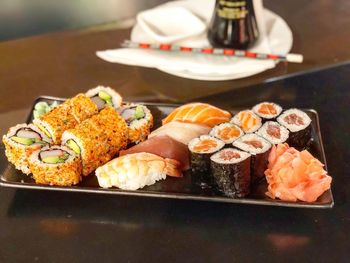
(20, 141)
(230, 169)
(98, 139)
(55, 165)
(267, 110)
(274, 132)
(201, 148)
(259, 148)
(103, 96)
(66, 116)
(247, 120)
(139, 120)
(227, 132)
(299, 125)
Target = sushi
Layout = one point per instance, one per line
(201, 149)
(299, 125)
(259, 148)
(201, 113)
(230, 169)
(181, 131)
(66, 116)
(20, 141)
(247, 120)
(227, 132)
(55, 165)
(98, 139)
(267, 110)
(139, 120)
(103, 96)
(137, 170)
(273, 132)
(163, 146)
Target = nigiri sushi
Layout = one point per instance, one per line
(163, 146)
(134, 171)
(202, 113)
(181, 131)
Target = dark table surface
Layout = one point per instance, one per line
(42, 226)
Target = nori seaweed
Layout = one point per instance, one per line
(258, 165)
(300, 139)
(200, 167)
(233, 180)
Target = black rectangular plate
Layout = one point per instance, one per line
(177, 188)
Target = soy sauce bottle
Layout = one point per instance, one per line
(233, 24)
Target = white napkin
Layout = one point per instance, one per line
(196, 66)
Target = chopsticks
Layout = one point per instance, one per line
(293, 58)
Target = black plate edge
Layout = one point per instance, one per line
(181, 196)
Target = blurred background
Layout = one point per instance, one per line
(21, 18)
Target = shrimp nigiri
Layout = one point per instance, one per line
(134, 171)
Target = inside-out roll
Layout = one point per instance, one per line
(103, 96)
(20, 141)
(55, 165)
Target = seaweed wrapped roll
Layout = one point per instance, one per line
(259, 148)
(299, 125)
(267, 110)
(230, 169)
(274, 132)
(227, 132)
(247, 120)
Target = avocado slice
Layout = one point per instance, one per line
(139, 113)
(44, 130)
(25, 141)
(74, 146)
(53, 159)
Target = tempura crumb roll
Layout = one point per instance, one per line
(55, 165)
(104, 96)
(66, 116)
(20, 141)
(139, 120)
(97, 139)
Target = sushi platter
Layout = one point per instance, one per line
(77, 160)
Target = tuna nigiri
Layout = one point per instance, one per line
(202, 113)
(181, 131)
(163, 146)
(134, 171)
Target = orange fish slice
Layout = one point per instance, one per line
(202, 113)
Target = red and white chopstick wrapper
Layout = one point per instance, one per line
(293, 58)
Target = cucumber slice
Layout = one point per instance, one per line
(53, 159)
(74, 146)
(24, 141)
(104, 95)
(139, 113)
(44, 130)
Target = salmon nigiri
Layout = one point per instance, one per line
(202, 113)
(134, 171)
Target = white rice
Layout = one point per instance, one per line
(218, 159)
(236, 121)
(294, 127)
(240, 143)
(34, 158)
(283, 131)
